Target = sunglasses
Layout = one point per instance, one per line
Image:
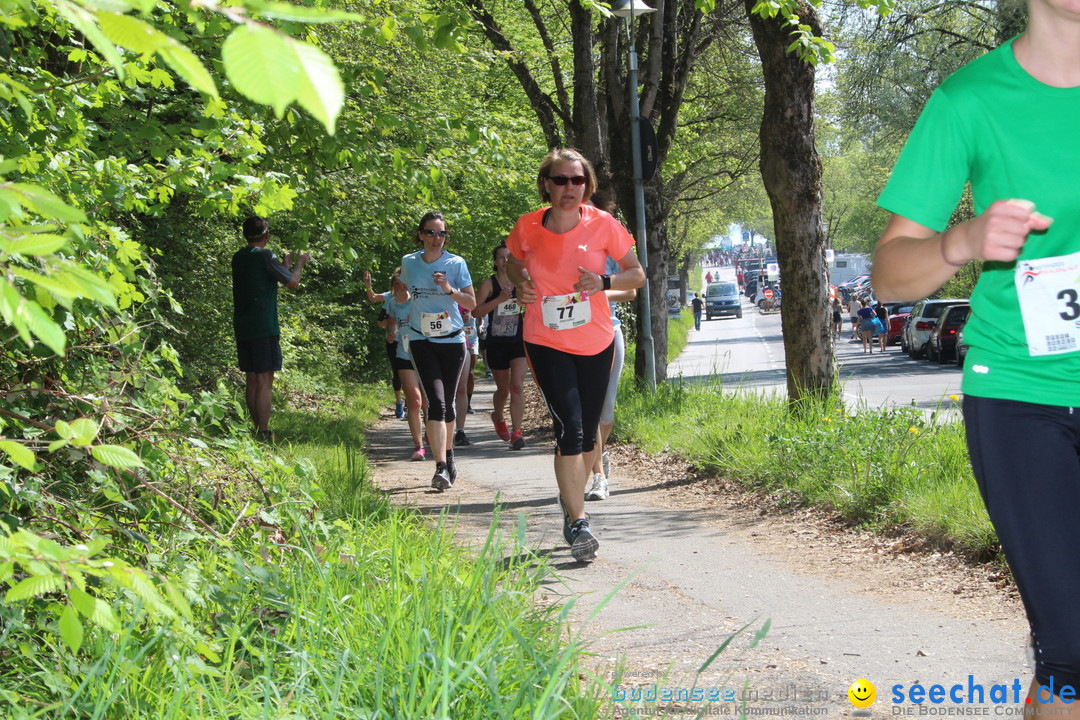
(561, 180)
(434, 233)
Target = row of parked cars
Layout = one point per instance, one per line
(930, 328)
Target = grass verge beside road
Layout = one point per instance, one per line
(307, 596)
(888, 469)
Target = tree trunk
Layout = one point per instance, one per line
(791, 170)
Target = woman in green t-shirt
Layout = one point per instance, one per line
(1006, 123)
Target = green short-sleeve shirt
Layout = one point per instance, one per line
(1011, 136)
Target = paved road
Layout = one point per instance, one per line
(748, 354)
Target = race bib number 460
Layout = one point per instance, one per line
(1049, 293)
(563, 312)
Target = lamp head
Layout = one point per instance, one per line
(630, 8)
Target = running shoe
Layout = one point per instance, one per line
(566, 521)
(599, 490)
(517, 440)
(441, 480)
(419, 453)
(500, 428)
(460, 438)
(451, 470)
(470, 410)
(399, 409)
(583, 544)
(605, 460)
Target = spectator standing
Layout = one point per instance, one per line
(883, 317)
(866, 325)
(837, 318)
(697, 305)
(256, 273)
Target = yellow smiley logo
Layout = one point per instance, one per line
(862, 693)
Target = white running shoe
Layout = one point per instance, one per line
(599, 489)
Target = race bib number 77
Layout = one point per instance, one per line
(563, 312)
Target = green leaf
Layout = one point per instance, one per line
(44, 244)
(131, 33)
(34, 586)
(185, 64)
(47, 330)
(85, 430)
(64, 429)
(88, 284)
(71, 629)
(298, 13)
(19, 453)
(116, 456)
(87, 25)
(103, 616)
(321, 91)
(46, 204)
(54, 285)
(82, 601)
(261, 66)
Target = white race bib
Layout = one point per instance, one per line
(510, 307)
(563, 312)
(1049, 293)
(470, 331)
(435, 324)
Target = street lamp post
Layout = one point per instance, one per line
(627, 9)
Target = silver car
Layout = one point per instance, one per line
(924, 316)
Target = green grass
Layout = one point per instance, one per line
(886, 469)
(322, 601)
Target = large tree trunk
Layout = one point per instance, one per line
(791, 171)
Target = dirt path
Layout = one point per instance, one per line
(697, 560)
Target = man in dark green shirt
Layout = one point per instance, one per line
(256, 272)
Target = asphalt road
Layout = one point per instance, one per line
(747, 354)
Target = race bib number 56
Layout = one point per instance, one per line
(563, 312)
(435, 324)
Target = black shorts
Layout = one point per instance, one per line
(1026, 459)
(400, 363)
(499, 354)
(259, 355)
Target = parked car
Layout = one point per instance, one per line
(941, 346)
(898, 315)
(961, 347)
(923, 318)
(722, 298)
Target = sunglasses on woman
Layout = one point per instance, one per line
(561, 180)
(434, 233)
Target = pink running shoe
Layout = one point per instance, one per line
(418, 453)
(500, 428)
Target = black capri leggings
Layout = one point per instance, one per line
(439, 367)
(574, 387)
(1026, 459)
